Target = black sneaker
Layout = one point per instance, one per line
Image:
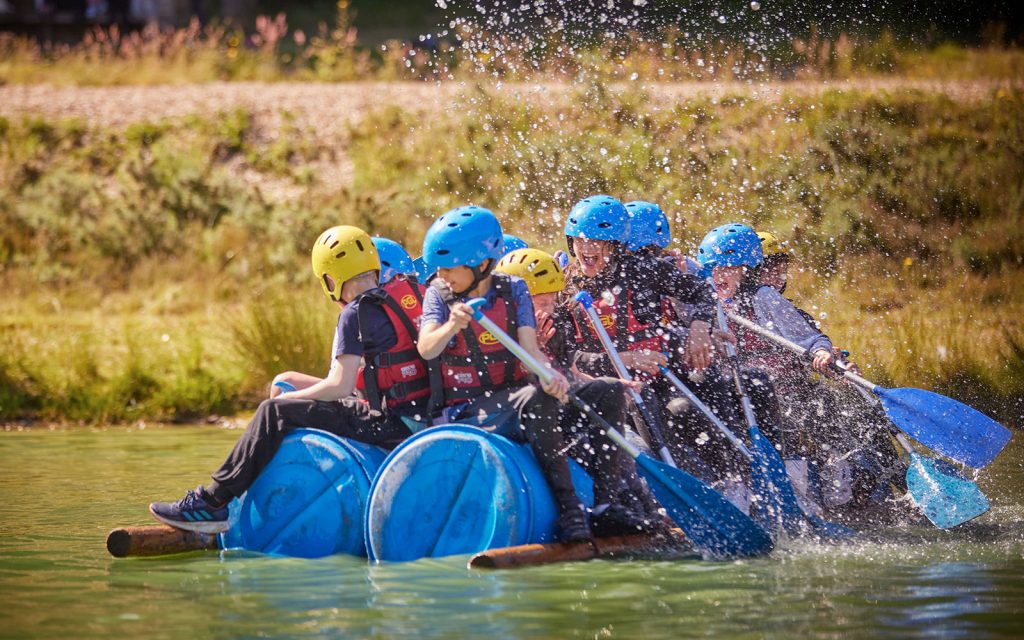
(573, 526)
(618, 520)
(192, 513)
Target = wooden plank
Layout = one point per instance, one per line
(157, 540)
(531, 555)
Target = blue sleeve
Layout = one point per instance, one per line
(434, 308)
(524, 304)
(776, 313)
(348, 341)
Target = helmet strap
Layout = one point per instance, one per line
(479, 275)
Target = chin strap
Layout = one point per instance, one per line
(478, 276)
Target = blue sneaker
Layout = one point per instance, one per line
(192, 513)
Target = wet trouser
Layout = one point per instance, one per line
(275, 418)
(611, 468)
(692, 432)
(828, 424)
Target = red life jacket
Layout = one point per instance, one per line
(398, 375)
(626, 332)
(477, 363)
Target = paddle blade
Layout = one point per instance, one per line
(952, 428)
(772, 483)
(945, 497)
(714, 526)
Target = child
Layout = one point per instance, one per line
(870, 460)
(483, 380)
(394, 261)
(346, 263)
(622, 502)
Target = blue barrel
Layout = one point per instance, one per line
(456, 489)
(309, 500)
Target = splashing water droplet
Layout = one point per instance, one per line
(754, 6)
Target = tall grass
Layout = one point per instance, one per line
(905, 211)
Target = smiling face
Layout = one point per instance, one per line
(727, 280)
(593, 255)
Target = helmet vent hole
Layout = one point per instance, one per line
(341, 254)
(452, 225)
(359, 244)
(442, 252)
(334, 244)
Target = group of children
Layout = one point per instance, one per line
(408, 354)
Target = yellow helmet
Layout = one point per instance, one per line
(771, 244)
(343, 253)
(540, 271)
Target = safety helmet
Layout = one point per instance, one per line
(597, 218)
(513, 242)
(647, 225)
(463, 237)
(342, 253)
(538, 268)
(771, 245)
(394, 259)
(423, 272)
(730, 245)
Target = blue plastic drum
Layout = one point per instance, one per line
(309, 500)
(454, 490)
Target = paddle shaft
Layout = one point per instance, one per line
(532, 555)
(653, 426)
(797, 349)
(734, 364)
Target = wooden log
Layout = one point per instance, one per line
(531, 555)
(157, 540)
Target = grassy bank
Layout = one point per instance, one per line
(160, 271)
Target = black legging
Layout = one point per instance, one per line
(348, 418)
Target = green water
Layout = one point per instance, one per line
(63, 490)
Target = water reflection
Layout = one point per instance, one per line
(60, 492)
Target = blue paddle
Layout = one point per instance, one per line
(767, 468)
(950, 427)
(939, 489)
(714, 526)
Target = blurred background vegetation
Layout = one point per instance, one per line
(159, 270)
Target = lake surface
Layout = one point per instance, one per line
(61, 491)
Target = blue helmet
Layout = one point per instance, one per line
(513, 242)
(394, 259)
(730, 245)
(647, 225)
(597, 218)
(463, 237)
(423, 272)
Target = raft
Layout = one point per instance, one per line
(456, 490)
(308, 501)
